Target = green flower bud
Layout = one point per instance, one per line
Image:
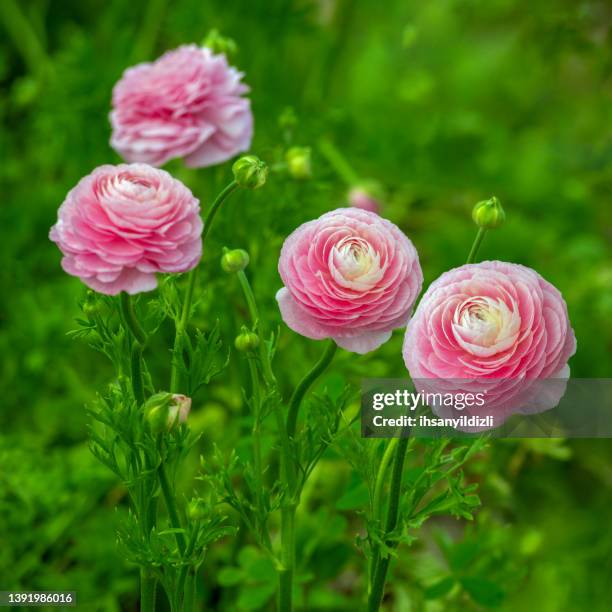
(220, 44)
(298, 162)
(234, 260)
(250, 172)
(488, 214)
(157, 411)
(246, 341)
(196, 510)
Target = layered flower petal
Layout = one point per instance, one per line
(122, 224)
(189, 103)
(493, 326)
(349, 275)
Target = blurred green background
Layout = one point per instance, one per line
(445, 103)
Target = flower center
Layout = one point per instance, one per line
(354, 258)
(481, 322)
(133, 187)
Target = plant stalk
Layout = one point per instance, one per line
(148, 588)
(287, 570)
(171, 507)
(477, 242)
(181, 324)
(305, 384)
(377, 501)
(289, 476)
(380, 571)
(268, 374)
(139, 341)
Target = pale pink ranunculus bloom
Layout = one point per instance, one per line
(122, 224)
(349, 275)
(188, 103)
(491, 327)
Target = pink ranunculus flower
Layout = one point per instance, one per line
(349, 275)
(187, 104)
(496, 328)
(122, 224)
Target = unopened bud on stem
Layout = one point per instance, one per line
(234, 260)
(250, 172)
(164, 411)
(488, 214)
(247, 341)
(156, 411)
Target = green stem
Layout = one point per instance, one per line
(264, 354)
(171, 507)
(289, 476)
(148, 587)
(190, 591)
(181, 325)
(210, 215)
(338, 162)
(305, 384)
(130, 318)
(181, 589)
(287, 570)
(136, 373)
(378, 493)
(257, 465)
(477, 242)
(139, 341)
(380, 573)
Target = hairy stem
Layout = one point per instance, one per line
(380, 571)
